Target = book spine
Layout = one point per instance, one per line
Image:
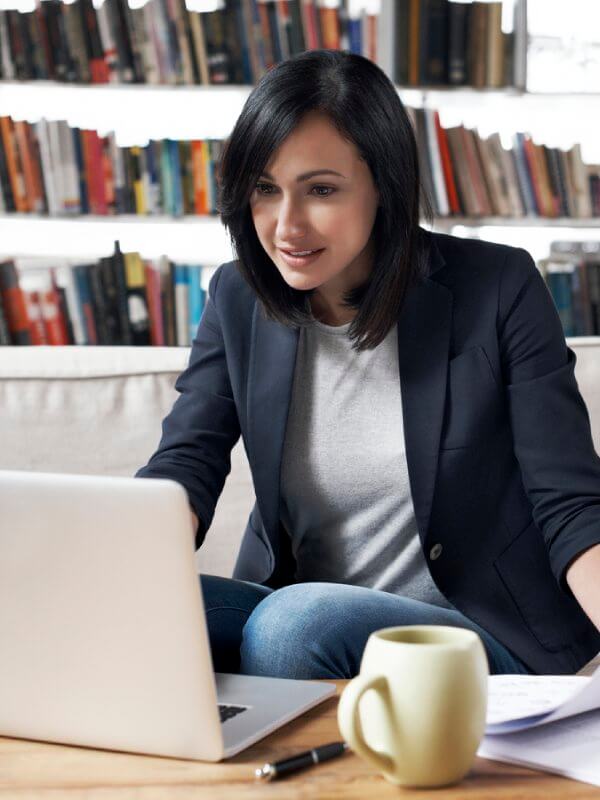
(167, 294)
(181, 278)
(52, 316)
(33, 304)
(122, 303)
(65, 278)
(196, 299)
(559, 284)
(13, 302)
(4, 332)
(81, 273)
(137, 302)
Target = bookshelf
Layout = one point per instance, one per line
(129, 109)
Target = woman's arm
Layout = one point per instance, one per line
(194, 523)
(583, 577)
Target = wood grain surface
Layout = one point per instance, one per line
(31, 769)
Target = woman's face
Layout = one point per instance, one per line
(333, 213)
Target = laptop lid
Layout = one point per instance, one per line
(91, 568)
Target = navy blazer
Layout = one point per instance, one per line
(504, 477)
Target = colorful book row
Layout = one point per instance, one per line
(118, 300)
(467, 175)
(49, 168)
(434, 42)
(163, 42)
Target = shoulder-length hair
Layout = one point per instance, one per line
(363, 105)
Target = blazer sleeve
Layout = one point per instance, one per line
(202, 427)
(550, 422)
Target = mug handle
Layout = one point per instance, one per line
(349, 719)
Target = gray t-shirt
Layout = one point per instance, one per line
(345, 493)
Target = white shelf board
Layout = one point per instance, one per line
(535, 234)
(198, 240)
(518, 222)
(136, 113)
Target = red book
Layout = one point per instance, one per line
(528, 150)
(13, 301)
(94, 170)
(35, 200)
(34, 312)
(310, 24)
(329, 21)
(98, 167)
(108, 176)
(87, 169)
(447, 166)
(54, 323)
(153, 298)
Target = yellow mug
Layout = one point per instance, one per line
(417, 709)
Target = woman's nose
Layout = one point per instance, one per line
(291, 222)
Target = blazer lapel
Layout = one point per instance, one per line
(423, 340)
(270, 380)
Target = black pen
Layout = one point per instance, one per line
(287, 765)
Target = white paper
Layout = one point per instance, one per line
(570, 747)
(521, 701)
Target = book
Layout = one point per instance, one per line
(14, 304)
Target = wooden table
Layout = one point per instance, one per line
(39, 770)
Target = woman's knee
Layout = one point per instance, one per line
(298, 632)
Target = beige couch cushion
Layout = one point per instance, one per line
(97, 410)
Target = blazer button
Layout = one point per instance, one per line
(435, 552)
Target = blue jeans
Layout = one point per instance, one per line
(316, 630)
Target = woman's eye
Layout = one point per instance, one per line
(264, 189)
(327, 189)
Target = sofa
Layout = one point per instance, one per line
(98, 410)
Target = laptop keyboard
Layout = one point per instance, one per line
(227, 712)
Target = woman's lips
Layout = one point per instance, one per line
(300, 261)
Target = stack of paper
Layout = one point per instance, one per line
(549, 722)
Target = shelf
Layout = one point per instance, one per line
(186, 112)
(245, 89)
(204, 240)
(590, 223)
(200, 240)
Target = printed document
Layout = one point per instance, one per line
(549, 722)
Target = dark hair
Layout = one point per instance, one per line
(363, 105)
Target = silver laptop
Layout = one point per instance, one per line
(103, 639)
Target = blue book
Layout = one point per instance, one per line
(153, 201)
(177, 207)
(355, 36)
(166, 177)
(559, 283)
(83, 293)
(196, 298)
(524, 175)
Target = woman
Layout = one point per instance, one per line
(418, 445)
